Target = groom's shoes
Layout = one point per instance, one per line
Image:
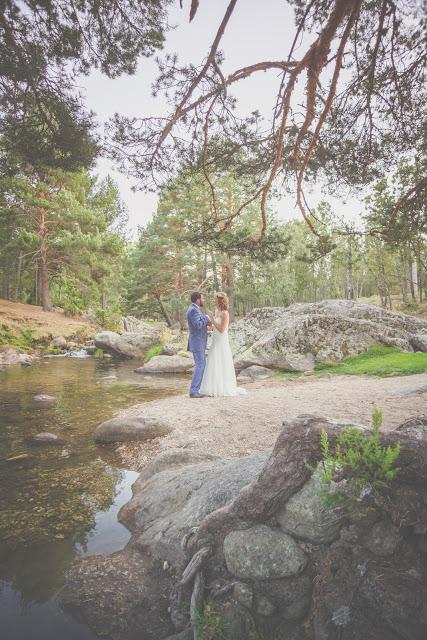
(195, 395)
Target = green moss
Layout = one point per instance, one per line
(155, 350)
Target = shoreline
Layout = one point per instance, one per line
(238, 426)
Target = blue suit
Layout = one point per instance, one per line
(198, 336)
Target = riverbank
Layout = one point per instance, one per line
(27, 325)
(235, 427)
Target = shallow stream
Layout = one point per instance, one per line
(60, 501)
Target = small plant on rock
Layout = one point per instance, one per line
(209, 623)
(359, 458)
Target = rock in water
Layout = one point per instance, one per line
(167, 364)
(44, 397)
(133, 344)
(45, 437)
(126, 428)
(59, 343)
(297, 337)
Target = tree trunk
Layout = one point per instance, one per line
(350, 284)
(227, 277)
(414, 280)
(163, 311)
(44, 270)
(404, 280)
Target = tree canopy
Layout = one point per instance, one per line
(358, 65)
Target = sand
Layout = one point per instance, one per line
(239, 426)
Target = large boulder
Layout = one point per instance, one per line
(167, 364)
(132, 344)
(213, 531)
(123, 429)
(168, 504)
(297, 337)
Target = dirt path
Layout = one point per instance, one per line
(239, 426)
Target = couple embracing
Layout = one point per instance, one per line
(214, 375)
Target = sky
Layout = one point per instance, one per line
(256, 31)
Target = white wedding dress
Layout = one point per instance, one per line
(219, 378)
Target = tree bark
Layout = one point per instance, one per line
(44, 265)
(163, 311)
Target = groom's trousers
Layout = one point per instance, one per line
(199, 368)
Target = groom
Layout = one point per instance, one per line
(198, 324)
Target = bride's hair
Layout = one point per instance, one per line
(222, 300)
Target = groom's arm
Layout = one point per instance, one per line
(198, 319)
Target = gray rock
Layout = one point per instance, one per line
(416, 427)
(166, 506)
(125, 428)
(172, 458)
(298, 336)
(262, 553)
(383, 539)
(255, 373)
(12, 355)
(419, 342)
(238, 624)
(133, 344)
(410, 390)
(167, 364)
(264, 607)
(170, 349)
(306, 517)
(44, 397)
(243, 594)
(59, 343)
(45, 437)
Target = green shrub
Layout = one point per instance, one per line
(359, 457)
(210, 623)
(155, 350)
(98, 353)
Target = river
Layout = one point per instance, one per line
(60, 501)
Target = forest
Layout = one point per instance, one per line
(63, 234)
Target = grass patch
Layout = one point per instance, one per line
(378, 361)
(155, 350)
(21, 339)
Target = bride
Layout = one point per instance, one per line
(219, 378)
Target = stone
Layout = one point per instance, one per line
(170, 350)
(45, 437)
(416, 427)
(290, 596)
(132, 344)
(173, 458)
(262, 553)
(264, 607)
(383, 539)
(59, 343)
(167, 364)
(10, 355)
(166, 506)
(419, 342)
(44, 397)
(254, 373)
(410, 390)
(299, 336)
(307, 518)
(243, 594)
(124, 429)
(238, 624)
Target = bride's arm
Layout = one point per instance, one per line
(222, 325)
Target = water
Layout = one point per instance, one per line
(60, 501)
